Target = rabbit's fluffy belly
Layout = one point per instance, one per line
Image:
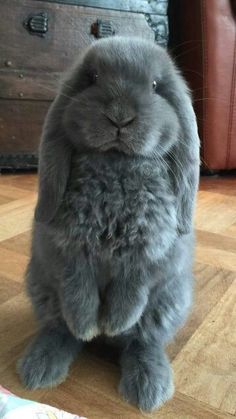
(114, 204)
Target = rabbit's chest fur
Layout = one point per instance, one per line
(116, 204)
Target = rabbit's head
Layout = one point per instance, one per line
(121, 98)
(123, 94)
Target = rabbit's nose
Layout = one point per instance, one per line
(120, 123)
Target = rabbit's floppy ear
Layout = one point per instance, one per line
(184, 157)
(56, 149)
(54, 164)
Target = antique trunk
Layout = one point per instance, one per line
(38, 41)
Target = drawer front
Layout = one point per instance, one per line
(21, 124)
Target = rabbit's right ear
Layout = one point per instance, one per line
(54, 165)
(185, 158)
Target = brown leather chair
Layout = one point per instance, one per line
(203, 40)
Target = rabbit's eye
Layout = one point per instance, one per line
(94, 77)
(154, 85)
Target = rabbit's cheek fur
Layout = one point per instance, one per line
(155, 122)
(111, 214)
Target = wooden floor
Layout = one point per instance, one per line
(204, 352)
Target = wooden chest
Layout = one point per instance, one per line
(38, 41)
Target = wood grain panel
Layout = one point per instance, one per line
(16, 217)
(211, 282)
(28, 183)
(216, 212)
(24, 134)
(25, 84)
(205, 368)
(20, 243)
(17, 261)
(216, 257)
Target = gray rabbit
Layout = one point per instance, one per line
(113, 232)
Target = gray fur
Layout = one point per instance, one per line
(113, 233)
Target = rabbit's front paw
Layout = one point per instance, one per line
(80, 311)
(84, 326)
(88, 332)
(120, 314)
(114, 322)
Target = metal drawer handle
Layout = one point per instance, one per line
(37, 24)
(102, 29)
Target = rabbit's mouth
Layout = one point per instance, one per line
(116, 145)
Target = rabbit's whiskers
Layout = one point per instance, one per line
(160, 159)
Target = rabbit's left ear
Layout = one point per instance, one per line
(184, 158)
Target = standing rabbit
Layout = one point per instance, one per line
(113, 231)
